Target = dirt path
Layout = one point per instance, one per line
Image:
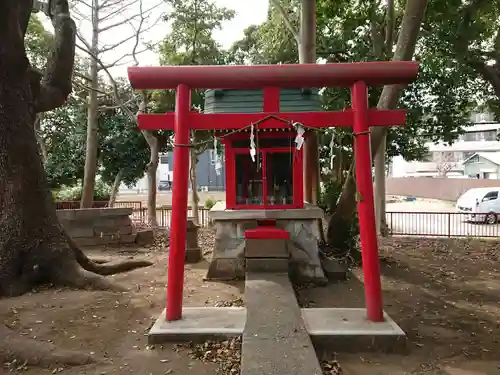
(111, 325)
(445, 294)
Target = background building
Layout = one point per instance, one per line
(206, 174)
(459, 159)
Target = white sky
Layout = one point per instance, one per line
(247, 13)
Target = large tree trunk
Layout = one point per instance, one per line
(92, 117)
(34, 248)
(151, 169)
(195, 199)
(405, 48)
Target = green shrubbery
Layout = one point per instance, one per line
(209, 203)
(102, 192)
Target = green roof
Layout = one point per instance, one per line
(251, 101)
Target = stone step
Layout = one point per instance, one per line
(266, 248)
(275, 265)
(275, 340)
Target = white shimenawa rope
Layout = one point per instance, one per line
(253, 152)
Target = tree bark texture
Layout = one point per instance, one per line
(307, 55)
(92, 116)
(195, 199)
(405, 48)
(380, 159)
(151, 169)
(115, 188)
(34, 248)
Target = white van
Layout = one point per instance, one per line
(482, 204)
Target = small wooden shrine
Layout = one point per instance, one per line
(273, 177)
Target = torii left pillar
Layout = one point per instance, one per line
(178, 221)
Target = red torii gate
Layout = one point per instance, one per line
(271, 78)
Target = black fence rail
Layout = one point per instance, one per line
(73, 205)
(442, 224)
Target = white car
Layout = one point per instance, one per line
(481, 204)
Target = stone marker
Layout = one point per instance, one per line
(193, 251)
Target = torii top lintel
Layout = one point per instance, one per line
(283, 76)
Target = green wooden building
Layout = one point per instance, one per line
(251, 101)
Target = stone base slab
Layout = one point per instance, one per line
(348, 330)
(330, 329)
(199, 324)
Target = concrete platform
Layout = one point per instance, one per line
(199, 324)
(275, 340)
(343, 329)
(310, 211)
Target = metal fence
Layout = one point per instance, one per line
(431, 224)
(441, 224)
(73, 205)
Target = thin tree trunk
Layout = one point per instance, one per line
(151, 169)
(379, 188)
(92, 117)
(195, 199)
(116, 187)
(405, 48)
(380, 156)
(307, 55)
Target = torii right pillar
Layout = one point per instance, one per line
(366, 212)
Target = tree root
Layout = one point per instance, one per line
(26, 351)
(82, 279)
(104, 268)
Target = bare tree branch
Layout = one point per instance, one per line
(110, 4)
(55, 85)
(106, 107)
(83, 40)
(120, 23)
(119, 62)
(120, 10)
(286, 20)
(390, 24)
(83, 2)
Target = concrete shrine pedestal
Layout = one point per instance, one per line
(228, 259)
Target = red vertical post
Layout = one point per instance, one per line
(366, 212)
(178, 221)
